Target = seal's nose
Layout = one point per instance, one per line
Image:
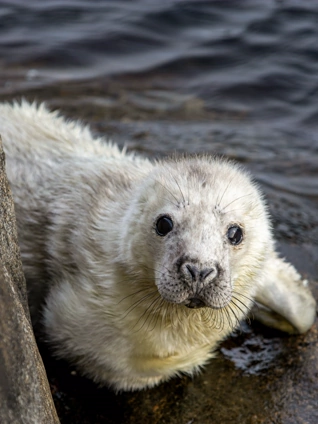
(201, 275)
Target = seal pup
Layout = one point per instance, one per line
(138, 269)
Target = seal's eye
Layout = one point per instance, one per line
(164, 225)
(235, 235)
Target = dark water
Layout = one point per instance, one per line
(237, 78)
(247, 57)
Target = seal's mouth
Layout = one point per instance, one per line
(195, 295)
(195, 303)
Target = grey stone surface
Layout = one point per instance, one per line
(25, 395)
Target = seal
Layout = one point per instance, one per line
(136, 270)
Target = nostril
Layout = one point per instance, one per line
(208, 272)
(193, 270)
(198, 274)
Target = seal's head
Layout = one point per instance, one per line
(205, 233)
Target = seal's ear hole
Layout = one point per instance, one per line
(164, 225)
(235, 234)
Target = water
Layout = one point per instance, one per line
(235, 78)
(251, 57)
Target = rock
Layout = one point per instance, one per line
(24, 390)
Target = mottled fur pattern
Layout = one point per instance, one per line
(110, 292)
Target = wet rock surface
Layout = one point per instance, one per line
(258, 376)
(24, 391)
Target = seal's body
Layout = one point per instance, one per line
(137, 270)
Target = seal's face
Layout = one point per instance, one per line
(196, 278)
(195, 269)
(207, 233)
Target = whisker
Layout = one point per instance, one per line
(147, 311)
(184, 201)
(218, 202)
(236, 318)
(229, 319)
(242, 303)
(134, 305)
(132, 294)
(235, 200)
(220, 324)
(243, 295)
(237, 307)
(170, 192)
(155, 315)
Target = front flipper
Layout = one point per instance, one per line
(283, 300)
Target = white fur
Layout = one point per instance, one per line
(86, 215)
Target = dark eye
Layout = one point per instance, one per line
(164, 225)
(235, 235)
